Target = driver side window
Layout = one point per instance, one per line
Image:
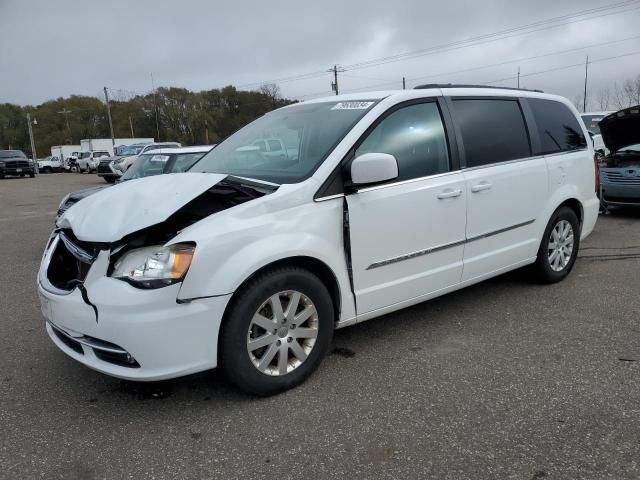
(415, 136)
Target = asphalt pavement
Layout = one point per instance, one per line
(506, 379)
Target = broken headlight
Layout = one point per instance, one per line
(156, 266)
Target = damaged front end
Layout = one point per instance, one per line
(142, 258)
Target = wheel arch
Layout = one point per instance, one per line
(575, 205)
(317, 267)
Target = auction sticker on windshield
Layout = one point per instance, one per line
(160, 158)
(352, 105)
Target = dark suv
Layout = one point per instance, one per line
(15, 162)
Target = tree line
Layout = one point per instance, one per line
(168, 113)
(616, 97)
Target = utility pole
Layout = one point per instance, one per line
(106, 97)
(206, 132)
(404, 83)
(131, 125)
(66, 113)
(518, 77)
(586, 75)
(334, 85)
(155, 105)
(33, 143)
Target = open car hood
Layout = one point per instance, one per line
(110, 214)
(621, 129)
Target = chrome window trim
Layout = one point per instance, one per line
(506, 162)
(329, 197)
(404, 182)
(439, 248)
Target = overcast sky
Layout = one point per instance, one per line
(51, 49)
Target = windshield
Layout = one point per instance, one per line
(12, 154)
(128, 150)
(592, 123)
(286, 145)
(145, 166)
(85, 154)
(184, 161)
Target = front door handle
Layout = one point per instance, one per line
(481, 187)
(449, 193)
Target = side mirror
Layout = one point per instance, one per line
(373, 168)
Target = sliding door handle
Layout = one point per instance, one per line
(481, 187)
(449, 193)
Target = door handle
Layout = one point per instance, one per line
(449, 193)
(481, 187)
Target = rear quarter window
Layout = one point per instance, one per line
(558, 128)
(493, 130)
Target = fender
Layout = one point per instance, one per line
(241, 246)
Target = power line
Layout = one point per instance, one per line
(499, 64)
(564, 67)
(471, 41)
(500, 35)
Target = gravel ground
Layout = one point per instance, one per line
(506, 379)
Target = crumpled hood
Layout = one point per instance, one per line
(621, 129)
(112, 213)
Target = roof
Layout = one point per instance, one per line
(462, 85)
(437, 90)
(169, 151)
(603, 113)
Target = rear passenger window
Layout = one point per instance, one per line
(493, 131)
(415, 136)
(557, 126)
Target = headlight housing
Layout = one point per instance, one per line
(2, 164)
(156, 266)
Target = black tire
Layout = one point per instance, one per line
(233, 355)
(544, 272)
(109, 179)
(32, 174)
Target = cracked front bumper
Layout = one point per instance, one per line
(166, 339)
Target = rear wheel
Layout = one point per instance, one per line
(276, 332)
(559, 248)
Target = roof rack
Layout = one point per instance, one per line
(463, 85)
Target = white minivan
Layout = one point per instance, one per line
(249, 262)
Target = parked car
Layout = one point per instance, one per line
(16, 163)
(165, 160)
(88, 161)
(249, 262)
(50, 164)
(592, 121)
(113, 167)
(620, 169)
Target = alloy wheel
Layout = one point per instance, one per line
(560, 247)
(282, 333)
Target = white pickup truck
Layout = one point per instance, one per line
(50, 164)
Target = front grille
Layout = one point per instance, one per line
(17, 164)
(70, 261)
(617, 176)
(103, 166)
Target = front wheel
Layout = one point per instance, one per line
(277, 330)
(559, 248)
